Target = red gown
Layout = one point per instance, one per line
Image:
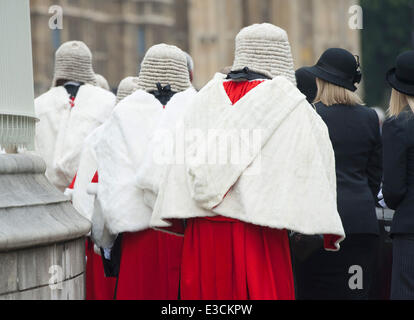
(150, 266)
(226, 259)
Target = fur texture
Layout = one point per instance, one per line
(61, 131)
(288, 183)
(121, 151)
(83, 199)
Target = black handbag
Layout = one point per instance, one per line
(111, 267)
(303, 246)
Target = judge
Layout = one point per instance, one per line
(102, 82)
(83, 190)
(282, 177)
(69, 112)
(150, 260)
(126, 87)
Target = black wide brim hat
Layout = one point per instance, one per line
(306, 83)
(333, 76)
(339, 67)
(401, 86)
(401, 77)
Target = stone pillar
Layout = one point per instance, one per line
(42, 237)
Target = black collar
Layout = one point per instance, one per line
(163, 94)
(247, 74)
(72, 88)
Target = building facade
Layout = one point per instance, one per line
(312, 26)
(120, 31)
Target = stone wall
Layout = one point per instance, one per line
(312, 26)
(54, 272)
(117, 32)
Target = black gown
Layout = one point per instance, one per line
(356, 139)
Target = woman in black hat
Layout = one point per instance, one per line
(398, 189)
(355, 135)
(306, 83)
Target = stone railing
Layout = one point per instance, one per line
(42, 237)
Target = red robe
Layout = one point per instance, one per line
(226, 259)
(150, 266)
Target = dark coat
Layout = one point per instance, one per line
(398, 189)
(356, 139)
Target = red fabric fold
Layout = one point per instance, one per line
(72, 184)
(150, 266)
(330, 241)
(237, 90)
(233, 260)
(226, 259)
(98, 287)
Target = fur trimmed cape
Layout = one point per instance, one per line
(83, 197)
(61, 131)
(120, 151)
(288, 182)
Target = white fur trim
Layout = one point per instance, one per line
(96, 250)
(69, 193)
(92, 189)
(83, 201)
(120, 152)
(61, 131)
(296, 186)
(100, 233)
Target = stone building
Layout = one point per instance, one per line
(312, 26)
(120, 31)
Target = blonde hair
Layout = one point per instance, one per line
(330, 94)
(399, 101)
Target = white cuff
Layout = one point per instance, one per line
(69, 193)
(92, 189)
(96, 249)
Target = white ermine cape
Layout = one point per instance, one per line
(84, 193)
(61, 131)
(120, 151)
(285, 178)
(83, 197)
